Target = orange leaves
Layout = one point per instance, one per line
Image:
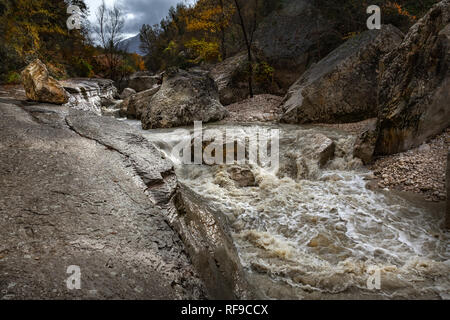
(400, 10)
(138, 62)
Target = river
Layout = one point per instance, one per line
(319, 232)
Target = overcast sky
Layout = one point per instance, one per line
(137, 12)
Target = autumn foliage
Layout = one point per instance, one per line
(32, 29)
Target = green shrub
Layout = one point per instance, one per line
(13, 78)
(82, 68)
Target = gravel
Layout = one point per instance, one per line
(420, 170)
(260, 108)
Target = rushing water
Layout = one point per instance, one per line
(322, 233)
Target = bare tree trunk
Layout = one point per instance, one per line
(248, 44)
(223, 49)
(110, 26)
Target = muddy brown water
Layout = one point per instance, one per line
(324, 235)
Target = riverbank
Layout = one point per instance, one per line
(68, 199)
(420, 170)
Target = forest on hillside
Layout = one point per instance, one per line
(207, 32)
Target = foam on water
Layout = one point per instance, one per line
(328, 233)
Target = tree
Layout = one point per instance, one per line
(210, 19)
(37, 29)
(351, 16)
(248, 32)
(109, 28)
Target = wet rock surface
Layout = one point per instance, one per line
(207, 236)
(91, 94)
(365, 144)
(414, 91)
(303, 156)
(242, 176)
(133, 106)
(343, 86)
(78, 189)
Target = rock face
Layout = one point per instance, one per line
(324, 149)
(184, 97)
(365, 143)
(292, 38)
(414, 91)
(126, 93)
(230, 76)
(133, 106)
(40, 86)
(155, 171)
(62, 154)
(343, 86)
(222, 74)
(448, 191)
(206, 234)
(140, 81)
(90, 94)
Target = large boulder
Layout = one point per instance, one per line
(343, 86)
(293, 37)
(90, 94)
(40, 86)
(414, 92)
(231, 77)
(223, 73)
(184, 97)
(133, 106)
(303, 156)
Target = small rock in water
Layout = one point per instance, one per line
(243, 177)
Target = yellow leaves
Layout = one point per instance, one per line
(27, 21)
(209, 16)
(204, 50)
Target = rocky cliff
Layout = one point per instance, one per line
(343, 86)
(414, 91)
(293, 37)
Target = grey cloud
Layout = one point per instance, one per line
(145, 11)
